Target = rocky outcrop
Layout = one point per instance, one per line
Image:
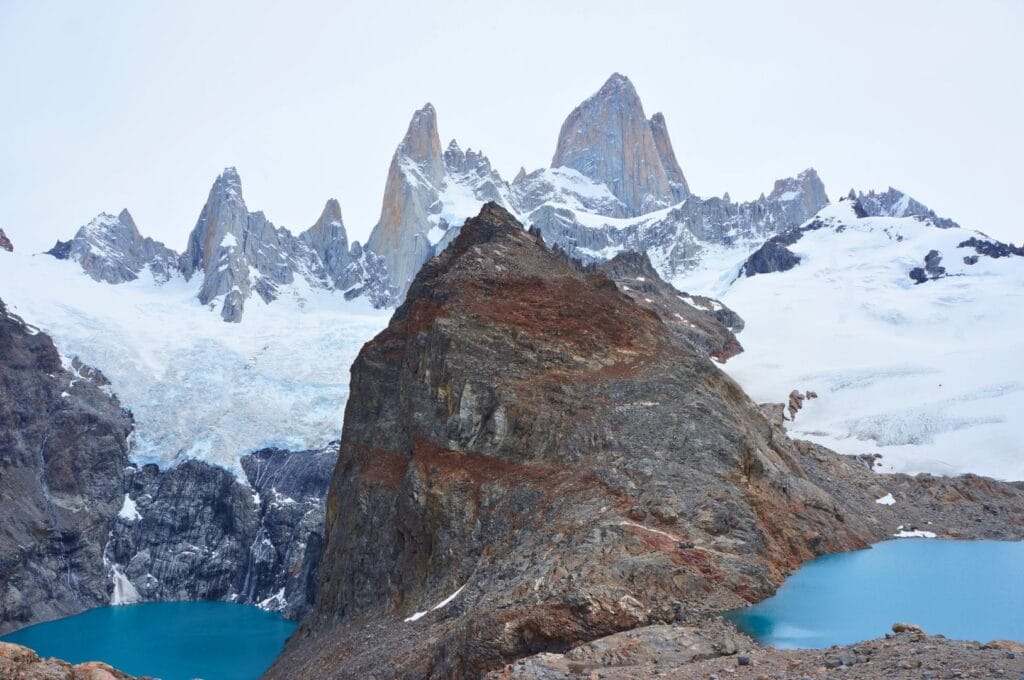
(715, 650)
(5, 243)
(21, 663)
(931, 270)
(196, 532)
(111, 249)
(895, 203)
(609, 139)
(530, 460)
(991, 248)
(63, 451)
(706, 325)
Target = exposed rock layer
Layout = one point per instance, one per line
(531, 460)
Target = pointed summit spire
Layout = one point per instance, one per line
(609, 139)
(422, 145)
(328, 239)
(415, 178)
(676, 179)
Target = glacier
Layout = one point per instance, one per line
(930, 376)
(198, 387)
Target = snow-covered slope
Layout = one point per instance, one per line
(929, 375)
(199, 387)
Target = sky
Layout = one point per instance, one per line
(139, 105)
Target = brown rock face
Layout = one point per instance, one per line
(531, 460)
(21, 663)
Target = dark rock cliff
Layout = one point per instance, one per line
(63, 452)
(197, 532)
(531, 460)
(84, 527)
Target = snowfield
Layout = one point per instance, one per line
(931, 376)
(199, 387)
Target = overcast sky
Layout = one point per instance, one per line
(107, 105)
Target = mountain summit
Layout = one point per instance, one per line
(609, 139)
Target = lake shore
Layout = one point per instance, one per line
(716, 650)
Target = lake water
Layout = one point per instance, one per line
(972, 590)
(169, 640)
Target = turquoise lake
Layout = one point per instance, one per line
(169, 640)
(972, 590)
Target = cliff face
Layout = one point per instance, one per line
(63, 451)
(529, 460)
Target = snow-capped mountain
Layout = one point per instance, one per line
(615, 187)
(111, 249)
(234, 253)
(905, 325)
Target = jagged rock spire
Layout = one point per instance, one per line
(609, 139)
(676, 179)
(415, 178)
(328, 239)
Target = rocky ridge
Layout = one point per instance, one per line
(236, 253)
(775, 255)
(5, 243)
(614, 185)
(531, 461)
(427, 194)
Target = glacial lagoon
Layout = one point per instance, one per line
(972, 590)
(169, 640)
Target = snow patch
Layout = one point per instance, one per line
(887, 499)
(129, 511)
(443, 603)
(124, 592)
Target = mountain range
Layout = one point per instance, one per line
(614, 185)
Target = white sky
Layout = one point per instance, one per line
(105, 105)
